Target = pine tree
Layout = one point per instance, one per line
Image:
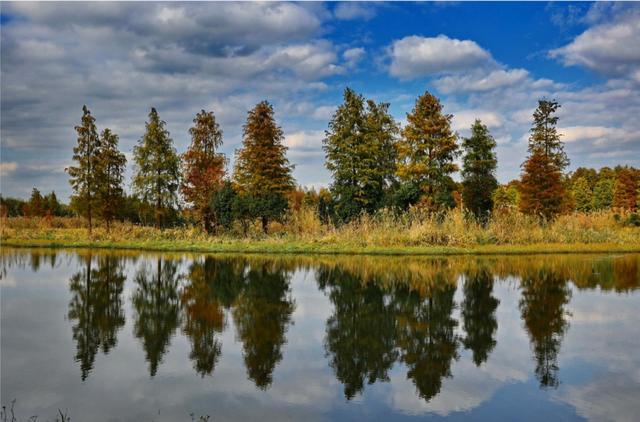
(603, 194)
(203, 166)
(35, 206)
(110, 179)
(360, 154)
(83, 176)
(625, 190)
(478, 170)
(541, 189)
(544, 135)
(426, 152)
(582, 195)
(157, 174)
(262, 170)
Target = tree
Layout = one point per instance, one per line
(541, 188)
(203, 167)
(625, 190)
(50, 205)
(111, 166)
(262, 169)
(360, 154)
(582, 194)
(506, 196)
(157, 175)
(603, 194)
(544, 135)
(83, 176)
(478, 170)
(426, 152)
(222, 205)
(478, 314)
(35, 206)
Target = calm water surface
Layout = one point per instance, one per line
(140, 337)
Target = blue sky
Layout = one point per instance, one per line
(486, 60)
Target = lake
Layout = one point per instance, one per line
(132, 336)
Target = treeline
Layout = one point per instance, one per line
(374, 164)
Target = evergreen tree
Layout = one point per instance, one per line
(478, 170)
(83, 176)
(582, 195)
(603, 194)
(426, 152)
(157, 175)
(541, 189)
(203, 167)
(262, 169)
(544, 135)
(51, 206)
(112, 162)
(360, 154)
(35, 206)
(625, 190)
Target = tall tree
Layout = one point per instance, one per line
(111, 166)
(625, 190)
(544, 135)
(542, 189)
(83, 175)
(157, 175)
(582, 194)
(203, 166)
(426, 152)
(603, 194)
(479, 170)
(359, 151)
(262, 170)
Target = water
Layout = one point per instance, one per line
(137, 337)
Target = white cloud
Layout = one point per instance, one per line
(481, 81)
(415, 56)
(597, 134)
(610, 48)
(353, 56)
(6, 168)
(305, 140)
(354, 10)
(463, 119)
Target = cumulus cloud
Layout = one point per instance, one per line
(416, 56)
(354, 10)
(353, 56)
(481, 81)
(609, 48)
(463, 119)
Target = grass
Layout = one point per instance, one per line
(508, 232)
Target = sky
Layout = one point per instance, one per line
(491, 61)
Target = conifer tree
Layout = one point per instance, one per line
(478, 170)
(83, 175)
(157, 174)
(262, 170)
(35, 206)
(542, 188)
(427, 150)
(360, 154)
(582, 195)
(203, 166)
(111, 166)
(603, 194)
(544, 135)
(625, 190)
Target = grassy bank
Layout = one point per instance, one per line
(506, 233)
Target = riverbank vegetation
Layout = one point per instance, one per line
(392, 188)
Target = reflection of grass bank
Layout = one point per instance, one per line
(384, 234)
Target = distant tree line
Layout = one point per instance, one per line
(374, 164)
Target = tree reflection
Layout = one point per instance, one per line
(96, 308)
(426, 336)
(212, 284)
(157, 305)
(261, 315)
(360, 338)
(479, 314)
(544, 295)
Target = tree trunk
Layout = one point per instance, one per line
(265, 224)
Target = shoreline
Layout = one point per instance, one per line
(311, 248)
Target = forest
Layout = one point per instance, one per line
(391, 185)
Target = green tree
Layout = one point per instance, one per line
(544, 135)
(582, 194)
(222, 205)
(506, 196)
(360, 154)
(478, 170)
(157, 175)
(111, 166)
(603, 194)
(262, 169)
(203, 166)
(83, 176)
(426, 152)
